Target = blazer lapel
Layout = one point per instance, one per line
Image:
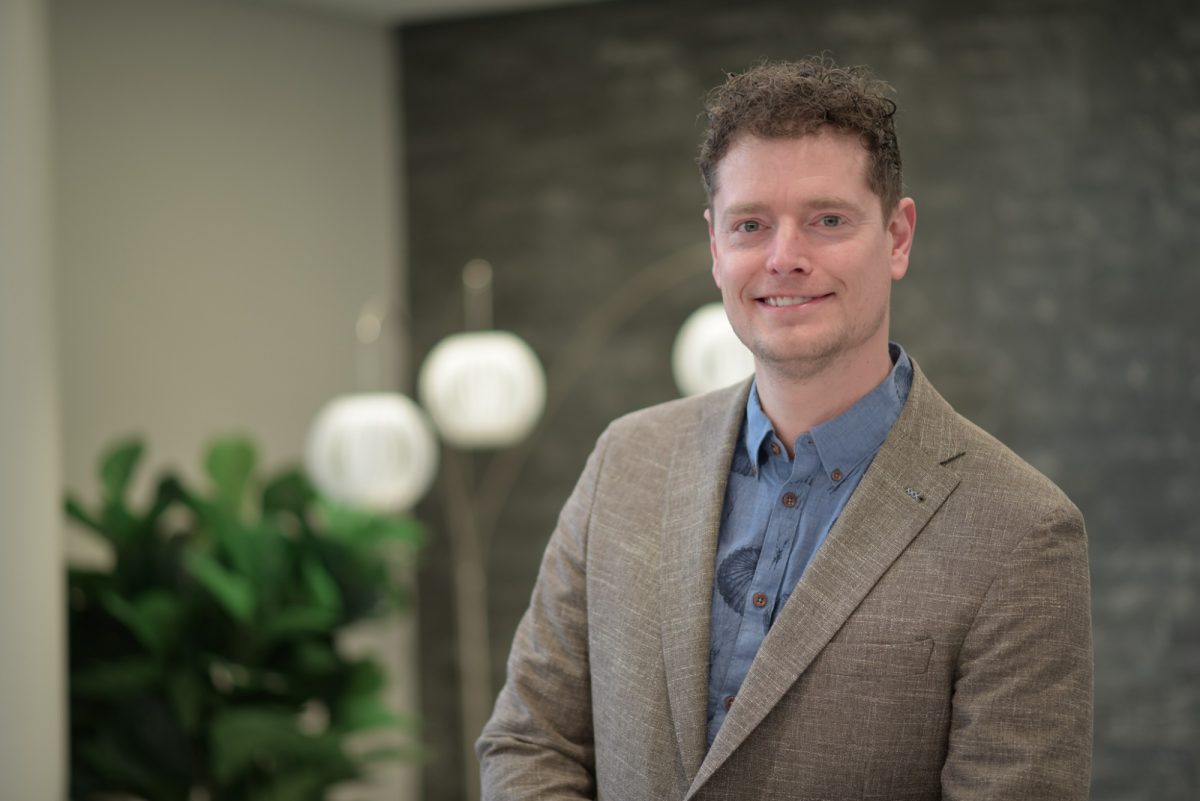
(901, 490)
(690, 523)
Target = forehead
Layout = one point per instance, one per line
(822, 162)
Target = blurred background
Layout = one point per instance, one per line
(197, 197)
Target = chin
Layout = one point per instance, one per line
(794, 362)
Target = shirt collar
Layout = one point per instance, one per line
(849, 438)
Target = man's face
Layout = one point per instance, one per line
(802, 254)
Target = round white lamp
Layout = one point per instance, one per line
(707, 354)
(373, 450)
(483, 389)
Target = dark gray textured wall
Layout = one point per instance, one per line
(1053, 149)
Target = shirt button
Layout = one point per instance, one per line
(789, 499)
(836, 475)
(760, 600)
(727, 701)
(775, 449)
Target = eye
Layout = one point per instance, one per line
(830, 220)
(748, 226)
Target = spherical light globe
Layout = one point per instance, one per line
(483, 389)
(377, 451)
(707, 354)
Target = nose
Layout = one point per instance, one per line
(788, 253)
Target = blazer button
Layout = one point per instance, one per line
(760, 600)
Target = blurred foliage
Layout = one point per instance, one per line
(205, 664)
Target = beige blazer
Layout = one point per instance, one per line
(938, 646)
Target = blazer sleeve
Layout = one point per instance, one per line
(1021, 724)
(538, 743)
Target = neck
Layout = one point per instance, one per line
(796, 402)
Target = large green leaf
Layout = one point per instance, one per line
(239, 543)
(321, 587)
(124, 769)
(218, 525)
(366, 676)
(295, 620)
(298, 784)
(169, 491)
(315, 658)
(116, 469)
(75, 511)
(185, 693)
(230, 463)
(366, 711)
(360, 528)
(118, 523)
(256, 551)
(116, 678)
(153, 617)
(361, 576)
(235, 593)
(272, 560)
(242, 737)
(86, 583)
(288, 492)
(361, 703)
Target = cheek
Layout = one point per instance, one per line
(730, 273)
(864, 269)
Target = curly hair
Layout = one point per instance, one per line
(798, 98)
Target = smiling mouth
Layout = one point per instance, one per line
(791, 300)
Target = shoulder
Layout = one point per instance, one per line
(990, 473)
(680, 422)
(688, 439)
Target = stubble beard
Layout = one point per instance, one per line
(809, 358)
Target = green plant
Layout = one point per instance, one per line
(204, 664)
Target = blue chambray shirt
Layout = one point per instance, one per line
(776, 515)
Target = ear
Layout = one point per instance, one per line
(901, 228)
(712, 246)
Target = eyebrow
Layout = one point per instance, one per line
(743, 208)
(827, 202)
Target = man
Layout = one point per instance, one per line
(822, 584)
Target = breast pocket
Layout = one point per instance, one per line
(875, 659)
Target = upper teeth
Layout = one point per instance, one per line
(787, 301)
